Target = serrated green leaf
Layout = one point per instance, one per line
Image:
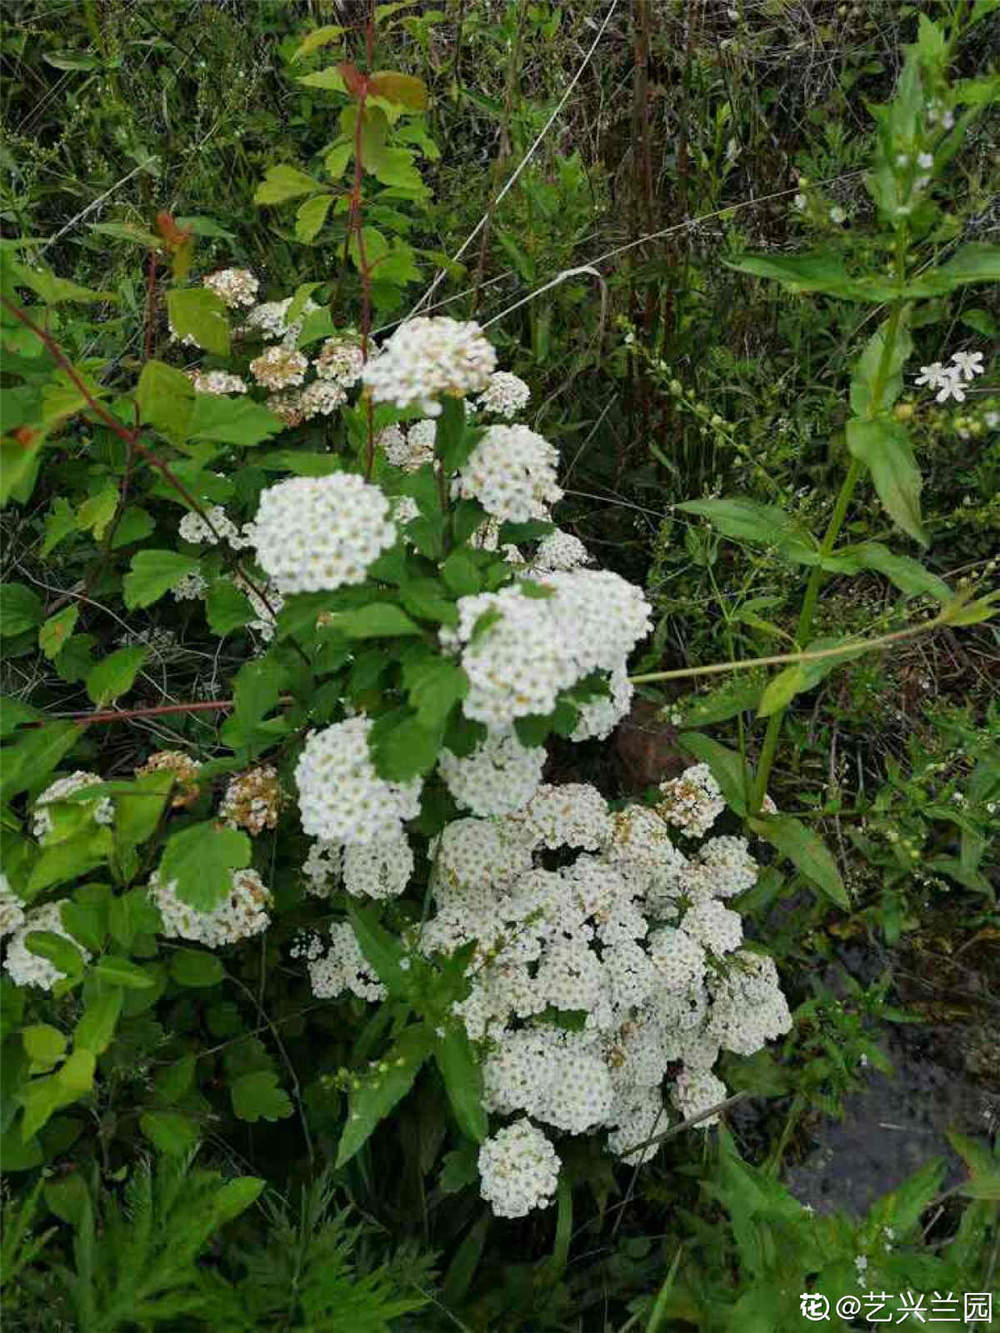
(166, 399)
(115, 675)
(226, 608)
(403, 748)
(401, 89)
(284, 182)
(152, 574)
(377, 620)
(257, 1096)
(200, 860)
(196, 312)
(169, 1131)
(44, 1045)
(381, 1089)
(310, 216)
(222, 420)
(330, 32)
(21, 609)
(194, 968)
(53, 635)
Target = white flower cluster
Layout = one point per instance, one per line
(190, 588)
(428, 358)
(379, 869)
(409, 449)
(342, 967)
(216, 382)
(101, 810)
(25, 968)
(505, 395)
(270, 320)
(321, 399)
(236, 286)
(340, 359)
(320, 532)
(631, 936)
(11, 908)
(219, 527)
(279, 367)
(498, 777)
(242, 913)
(532, 647)
(560, 550)
(518, 1170)
(598, 717)
(692, 802)
(252, 800)
(341, 797)
(512, 473)
(949, 380)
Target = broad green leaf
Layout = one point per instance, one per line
(453, 438)
(127, 231)
(56, 631)
(57, 950)
(877, 380)
(196, 312)
(976, 262)
(804, 675)
(154, 573)
(134, 525)
(336, 160)
(226, 608)
(34, 755)
(199, 861)
(13, 712)
(21, 609)
(169, 1131)
(41, 1099)
(747, 520)
(806, 850)
(462, 574)
(60, 523)
(884, 446)
(131, 914)
(139, 806)
(257, 1096)
(235, 1197)
(72, 857)
(123, 972)
(330, 80)
(726, 765)
(377, 620)
(115, 675)
(192, 967)
(907, 574)
(44, 1045)
(222, 420)
(95, 514)
(463, 1081)
(739, 694)
(96, 1027)
(316, 325)
(382, 950)
(166, 399)
(378, 1091)
(331, 32)
(300, 296)
(434, 688)
(402, 89)
(403, 748)
(310, 217)
(285, 182)
(816, 273)
(393, 166)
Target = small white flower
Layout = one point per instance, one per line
(951, 386)
(970, 364)
(933, 375)
(925, 161)
(837, 214)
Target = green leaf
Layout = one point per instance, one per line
(310, 217)
(393, 166)
(195, 968)
(453, 439)
(807, 852)
(285, 182)
(976, 262)
(300, 296)
(41, 1099)
(70, 858)
(746, 520)
(377, 620)
(134, 525)
(804, 675)
(122, 972)
(21, 609)
(433, 688)
(234, 1198)
(380, 1090)
(132, 914)
(877, 381)
(139, 806)
(726, 765)
(226, 607)
(462, 574)
(169, 1132)
(127, 231)
(463, 1081)
(166, 399)
(884, 446)
(57, 950)
(196, 312)
(404, 748)
(257, 1096)
(56, 631)
(401, 89)
(200, 860)
(96, 513)
(815, 273)
(96, 1027)
(907, 574)
(154, 573)
(115, 675)
(382, 950)
(331, 32)
(34, 755)
(330, 80)
(60, 523)
(44, 1045)
(222, 420)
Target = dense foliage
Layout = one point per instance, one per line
(499, 657)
